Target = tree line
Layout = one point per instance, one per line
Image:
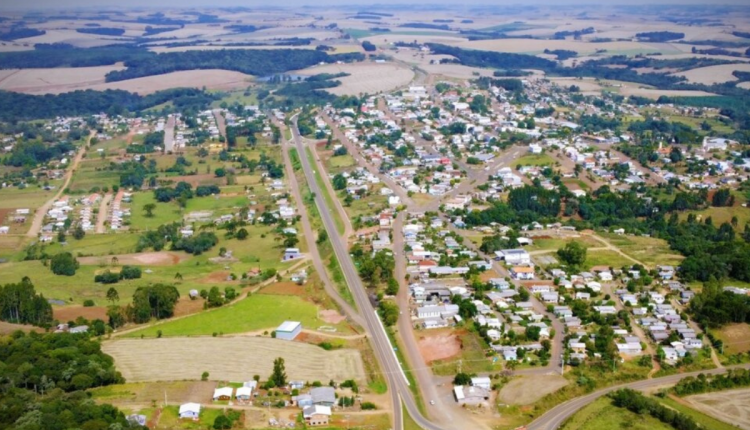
(20, 304)
(252, 62)
(640, 404)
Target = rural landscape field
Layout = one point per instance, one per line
(350, 215)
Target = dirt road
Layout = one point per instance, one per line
(101, 217)
(41, 212)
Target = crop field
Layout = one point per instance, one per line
(367, 78)
(729, 406)
(91, 173)
(714, 74)
(230, 359)
(54, 81)
(536, 46)
(254, 313)
(211, 79)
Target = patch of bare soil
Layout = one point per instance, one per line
(439, 346)
(331, 316)
(528, 389)
(186, 306)
(162, 258)
(70, 313)
(284, 289)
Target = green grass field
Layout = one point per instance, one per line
(534, 160)
(650, 250)
(170, 419)
(30, 197)
(327, 196)
(602, 415)
(606, 258)
(257, 312)
(92, 172)
(164, 213)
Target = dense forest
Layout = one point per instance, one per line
(659, 36)
(31, 154)
(20, 33)
(423, 25)
(64, 55)
(43, 381)
(102, 31)
(17, 106)
(20, 304)
(495, 60)
(253, 62)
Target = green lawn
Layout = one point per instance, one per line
(534, 160)
(170, 419)
(164, 213)
(93, 172)
(606, 258)
(340, 162)
(257, 312)
(326, 195)
(603, 415)
(30, 197)
(409, 423)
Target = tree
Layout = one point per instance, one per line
(462, 379)
(220, 172)
(64, 264)
(279, 372)
(112, 295)
(78, 233)
(573, 253)
(241, 234)
(222, 422)
(339, 182)
(149, 209)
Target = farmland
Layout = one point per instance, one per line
(365, 78)
(728, 406)
(241, 357)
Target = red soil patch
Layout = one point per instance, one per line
(162, 258)
(284, 289)
(439, 346)
(4, 214)
(185, 306)
(70, 313)
(220, 276)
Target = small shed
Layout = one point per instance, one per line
(289, 330)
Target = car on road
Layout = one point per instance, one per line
(432, 402)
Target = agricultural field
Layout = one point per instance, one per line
(54, 81)
(256, 313)
(689, 408)
(181, 358)
(365, 78)
(714, 74)
(736, 337)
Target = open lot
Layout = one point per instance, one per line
(649, 249)
(736, 337)
(528, 389)
(728, 406)
(438, 345)
(230, 359)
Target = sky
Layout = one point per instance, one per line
(61, 4)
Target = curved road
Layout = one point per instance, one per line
(399, 390)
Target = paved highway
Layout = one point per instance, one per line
(398, 388)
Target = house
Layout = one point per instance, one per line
(4, 229)
(316, 415)
(244, 393)
(470, 395)
(324, 396)
(514, 257)
(223, 393)
(288, 330)
(303, 400)
(524, 273)
(482, 382)
(190, 411)
(291, 254)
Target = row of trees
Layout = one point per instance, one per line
(248, 61)
(734, 378)
(638, 403)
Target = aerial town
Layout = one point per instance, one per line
(370, 217)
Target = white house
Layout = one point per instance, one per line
(514, 257)
(223, 393)
(190, 411)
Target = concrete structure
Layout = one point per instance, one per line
(289, 330)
